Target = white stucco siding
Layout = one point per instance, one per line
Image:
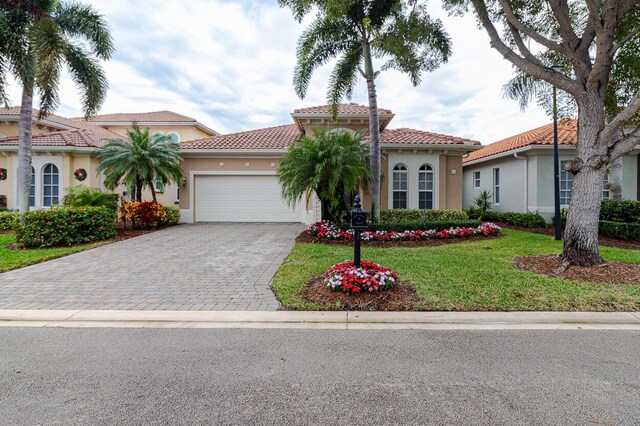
(512, 179)
(413, 163)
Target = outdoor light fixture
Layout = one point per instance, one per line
(556, 160)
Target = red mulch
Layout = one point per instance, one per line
(603, 241)
(306, 238)
(401, 297)
(611, 272)
(123, 234)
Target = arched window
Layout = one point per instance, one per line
(400, 186)
(425, 187)
(175, 137)
(32, 188)
(50, 185)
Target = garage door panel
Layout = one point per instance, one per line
(255, 198)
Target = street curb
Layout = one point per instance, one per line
(324, 320)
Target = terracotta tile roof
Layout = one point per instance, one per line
(280, 137)
(419, 137)
(156, 116)
(75, 138)
(343, 109)
(567, 134)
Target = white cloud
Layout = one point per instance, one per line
(230, 65)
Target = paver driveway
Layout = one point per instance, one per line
(188, 267)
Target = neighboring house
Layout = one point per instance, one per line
(233, 177)
(518, 171)
(62, 145)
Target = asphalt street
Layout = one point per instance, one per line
(226, 376)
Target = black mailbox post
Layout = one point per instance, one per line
(358, 222)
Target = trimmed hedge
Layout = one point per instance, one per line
(411, 215)
(172, 216)
(437, 225)
(623, 231)
(7, 219)
(626, 211)
(65, 227)
(525, 220)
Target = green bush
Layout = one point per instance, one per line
(65, 227)
(3, 202)
(525, 220)
(412, 215)
(7, 219)
(623, 231)
(627, 211)
(84, 196)
(172, 216)
(422, 225)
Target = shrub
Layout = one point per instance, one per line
(171, 216)
(627, 211)
(3, 202)
(84, 196)
(483, 201)
(525, 220)
(7, 219)
(65, 227)
(368, 278)
(623, 231)
(147, 214)
(412, 215)
(437, 225)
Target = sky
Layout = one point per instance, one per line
(229, 64)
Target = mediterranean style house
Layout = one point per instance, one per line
(232, 178)
(518, 171)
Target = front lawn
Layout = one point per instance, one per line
(11, 259)
(471, 276)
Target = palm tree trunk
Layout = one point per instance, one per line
(374, 136)
(24, 147)
(153, 191)
(139, 191)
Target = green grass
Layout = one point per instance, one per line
(12, 259)
(472, 276)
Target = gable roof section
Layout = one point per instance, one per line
(406, 136)
(343, 109)
(155, 116)
(271, 138)
(543, 135)
(71, 138)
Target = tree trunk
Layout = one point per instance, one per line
(374, 136)
(139, 191)
(615, 179)
(153, 191)
(581, 233)
(24, 148)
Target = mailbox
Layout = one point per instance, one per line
(358, 216)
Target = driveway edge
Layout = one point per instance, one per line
(324, 320)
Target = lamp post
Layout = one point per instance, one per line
(358, 222)
(556, 161)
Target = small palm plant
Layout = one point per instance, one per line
(483, 201)
(140, 161)
(331, 164)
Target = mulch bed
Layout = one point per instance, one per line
(611, 272)
(603, 241)
(123, 234)
(401, 297)
(306, 238)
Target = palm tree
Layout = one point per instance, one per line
(356, 32)
(38, 40)
(141, 161)
(331, 164)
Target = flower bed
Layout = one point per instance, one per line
(326, 230)
(369, 277)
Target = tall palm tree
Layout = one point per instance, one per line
(140, 161)
(356, 32)
(38, 41)
(331, 164)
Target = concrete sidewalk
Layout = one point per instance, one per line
(323, 320)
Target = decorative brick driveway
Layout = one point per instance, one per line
(189, 267)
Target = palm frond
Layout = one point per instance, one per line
(80, 20)
(89, 77)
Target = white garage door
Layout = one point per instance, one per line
(241, 199)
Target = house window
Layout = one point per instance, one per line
(400, 186)
(175, 137)
(158, 185)
(177, 192)
(32, 188)
(605, 189)
(496, 186)
(425, 187)
(476, 179)
(566, 181)
(50, 185)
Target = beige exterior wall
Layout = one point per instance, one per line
(11, 129)
(187, 133)
(6, 162)
(450, 182)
